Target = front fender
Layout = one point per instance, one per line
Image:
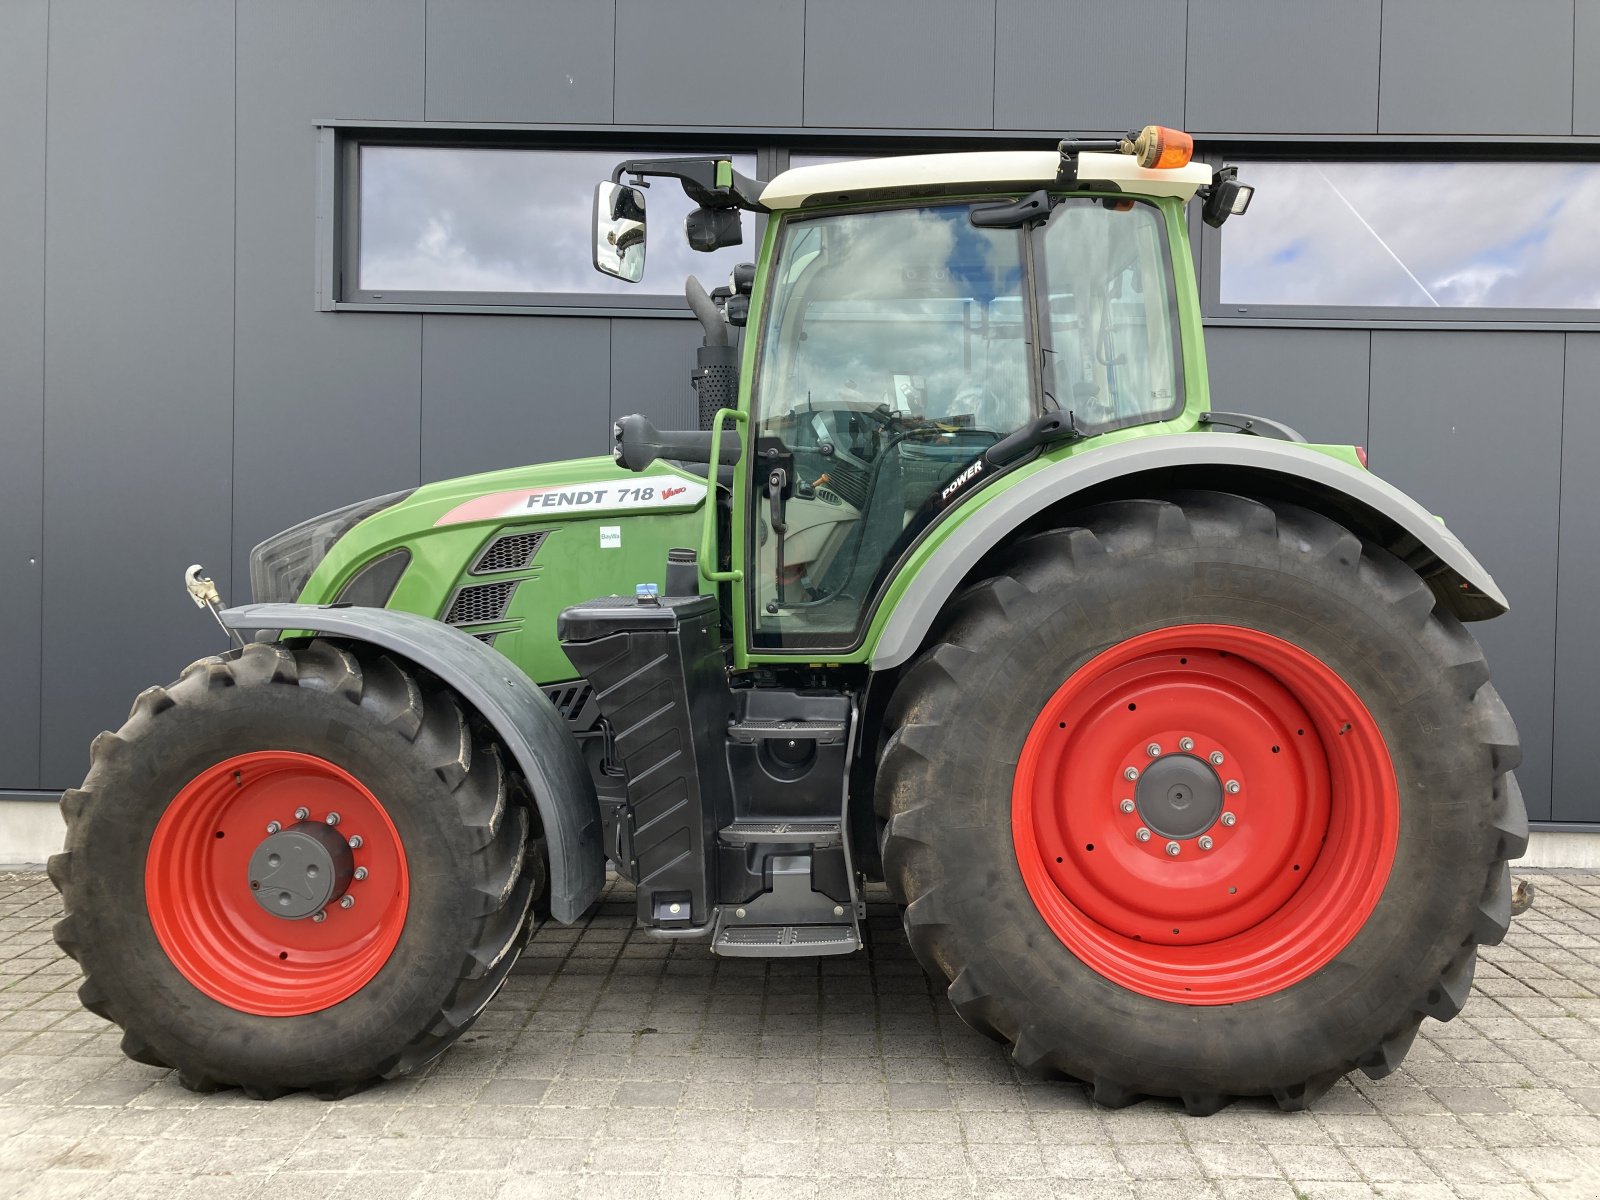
(521, 715)
(1226, 462)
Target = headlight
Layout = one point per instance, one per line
(281, 565)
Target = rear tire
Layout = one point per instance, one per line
(1009, 837)
(164, 840)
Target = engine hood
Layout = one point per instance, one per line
(439, 524)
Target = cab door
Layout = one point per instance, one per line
(894, 346)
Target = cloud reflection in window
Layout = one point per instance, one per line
(492, 221)
(1416, 235)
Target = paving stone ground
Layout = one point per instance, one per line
(615, 1065)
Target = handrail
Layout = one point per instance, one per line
(708, 531)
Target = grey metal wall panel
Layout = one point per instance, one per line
(1294, 66)
(650, 366)
(710, 62)
(1053, 72)
(23, 31)
(1586, 67)
(1470, 424)
(328, 406)
(1577, 645)
(1476, 66)
(911, 64)
(138, 353)
(508, 60)
(504, 391)
(1312, 379)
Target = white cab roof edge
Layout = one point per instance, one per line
(909, 174)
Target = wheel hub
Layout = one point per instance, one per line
(1179, 796)
(330, 883)
(299, 871)
(1205, 813)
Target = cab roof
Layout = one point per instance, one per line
(936, 174)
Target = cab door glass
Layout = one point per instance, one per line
(1108, 317)
(895, 352)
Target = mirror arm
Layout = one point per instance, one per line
(699, 179)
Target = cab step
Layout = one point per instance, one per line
(757, 833)
(789, 920)
(785, 941)
(756, 729)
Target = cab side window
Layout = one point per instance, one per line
(1107, 313)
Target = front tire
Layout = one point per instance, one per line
(296, 867)
(1201, 798)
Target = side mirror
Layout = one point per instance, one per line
(619, 231)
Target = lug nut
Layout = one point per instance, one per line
(319, 917)
(1216, 758)
(1172, 849)
(1142, 834)
(1126, 806)
(838, 910)
(1131, 774)
(347, 902)
(355, 841)
(1153, 749)
(1205, 843)
(361, 872)
(332, 818)
(674, 908)
(1228, 818)
(300, 814)
(273, 827)
(739, 912)
(1232, 787)
(1185, 743)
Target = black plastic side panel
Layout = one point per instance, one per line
(661, 683)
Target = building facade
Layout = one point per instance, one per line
(263, 258)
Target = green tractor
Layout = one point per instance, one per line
(1162, 725)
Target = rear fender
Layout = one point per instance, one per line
(521, 715)
(1149, 466)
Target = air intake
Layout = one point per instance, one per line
(480, 603)
(509, 552)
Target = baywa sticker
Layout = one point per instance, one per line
(614, 495)
(611, 537)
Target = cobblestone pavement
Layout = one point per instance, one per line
(614, 1065)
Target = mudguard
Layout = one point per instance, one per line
(519, 712)
(1359, 499)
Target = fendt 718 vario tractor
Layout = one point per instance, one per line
(1162, 725)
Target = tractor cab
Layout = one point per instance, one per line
(917, 327)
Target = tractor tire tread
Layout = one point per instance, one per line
(465, 758)
(1048, 561)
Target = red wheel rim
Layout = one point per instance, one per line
(1300, 847)
(206, 917)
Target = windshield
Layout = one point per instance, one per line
(895, 352)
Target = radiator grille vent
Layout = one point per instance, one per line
(486, 638)
(480, 603)
(510, 552)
